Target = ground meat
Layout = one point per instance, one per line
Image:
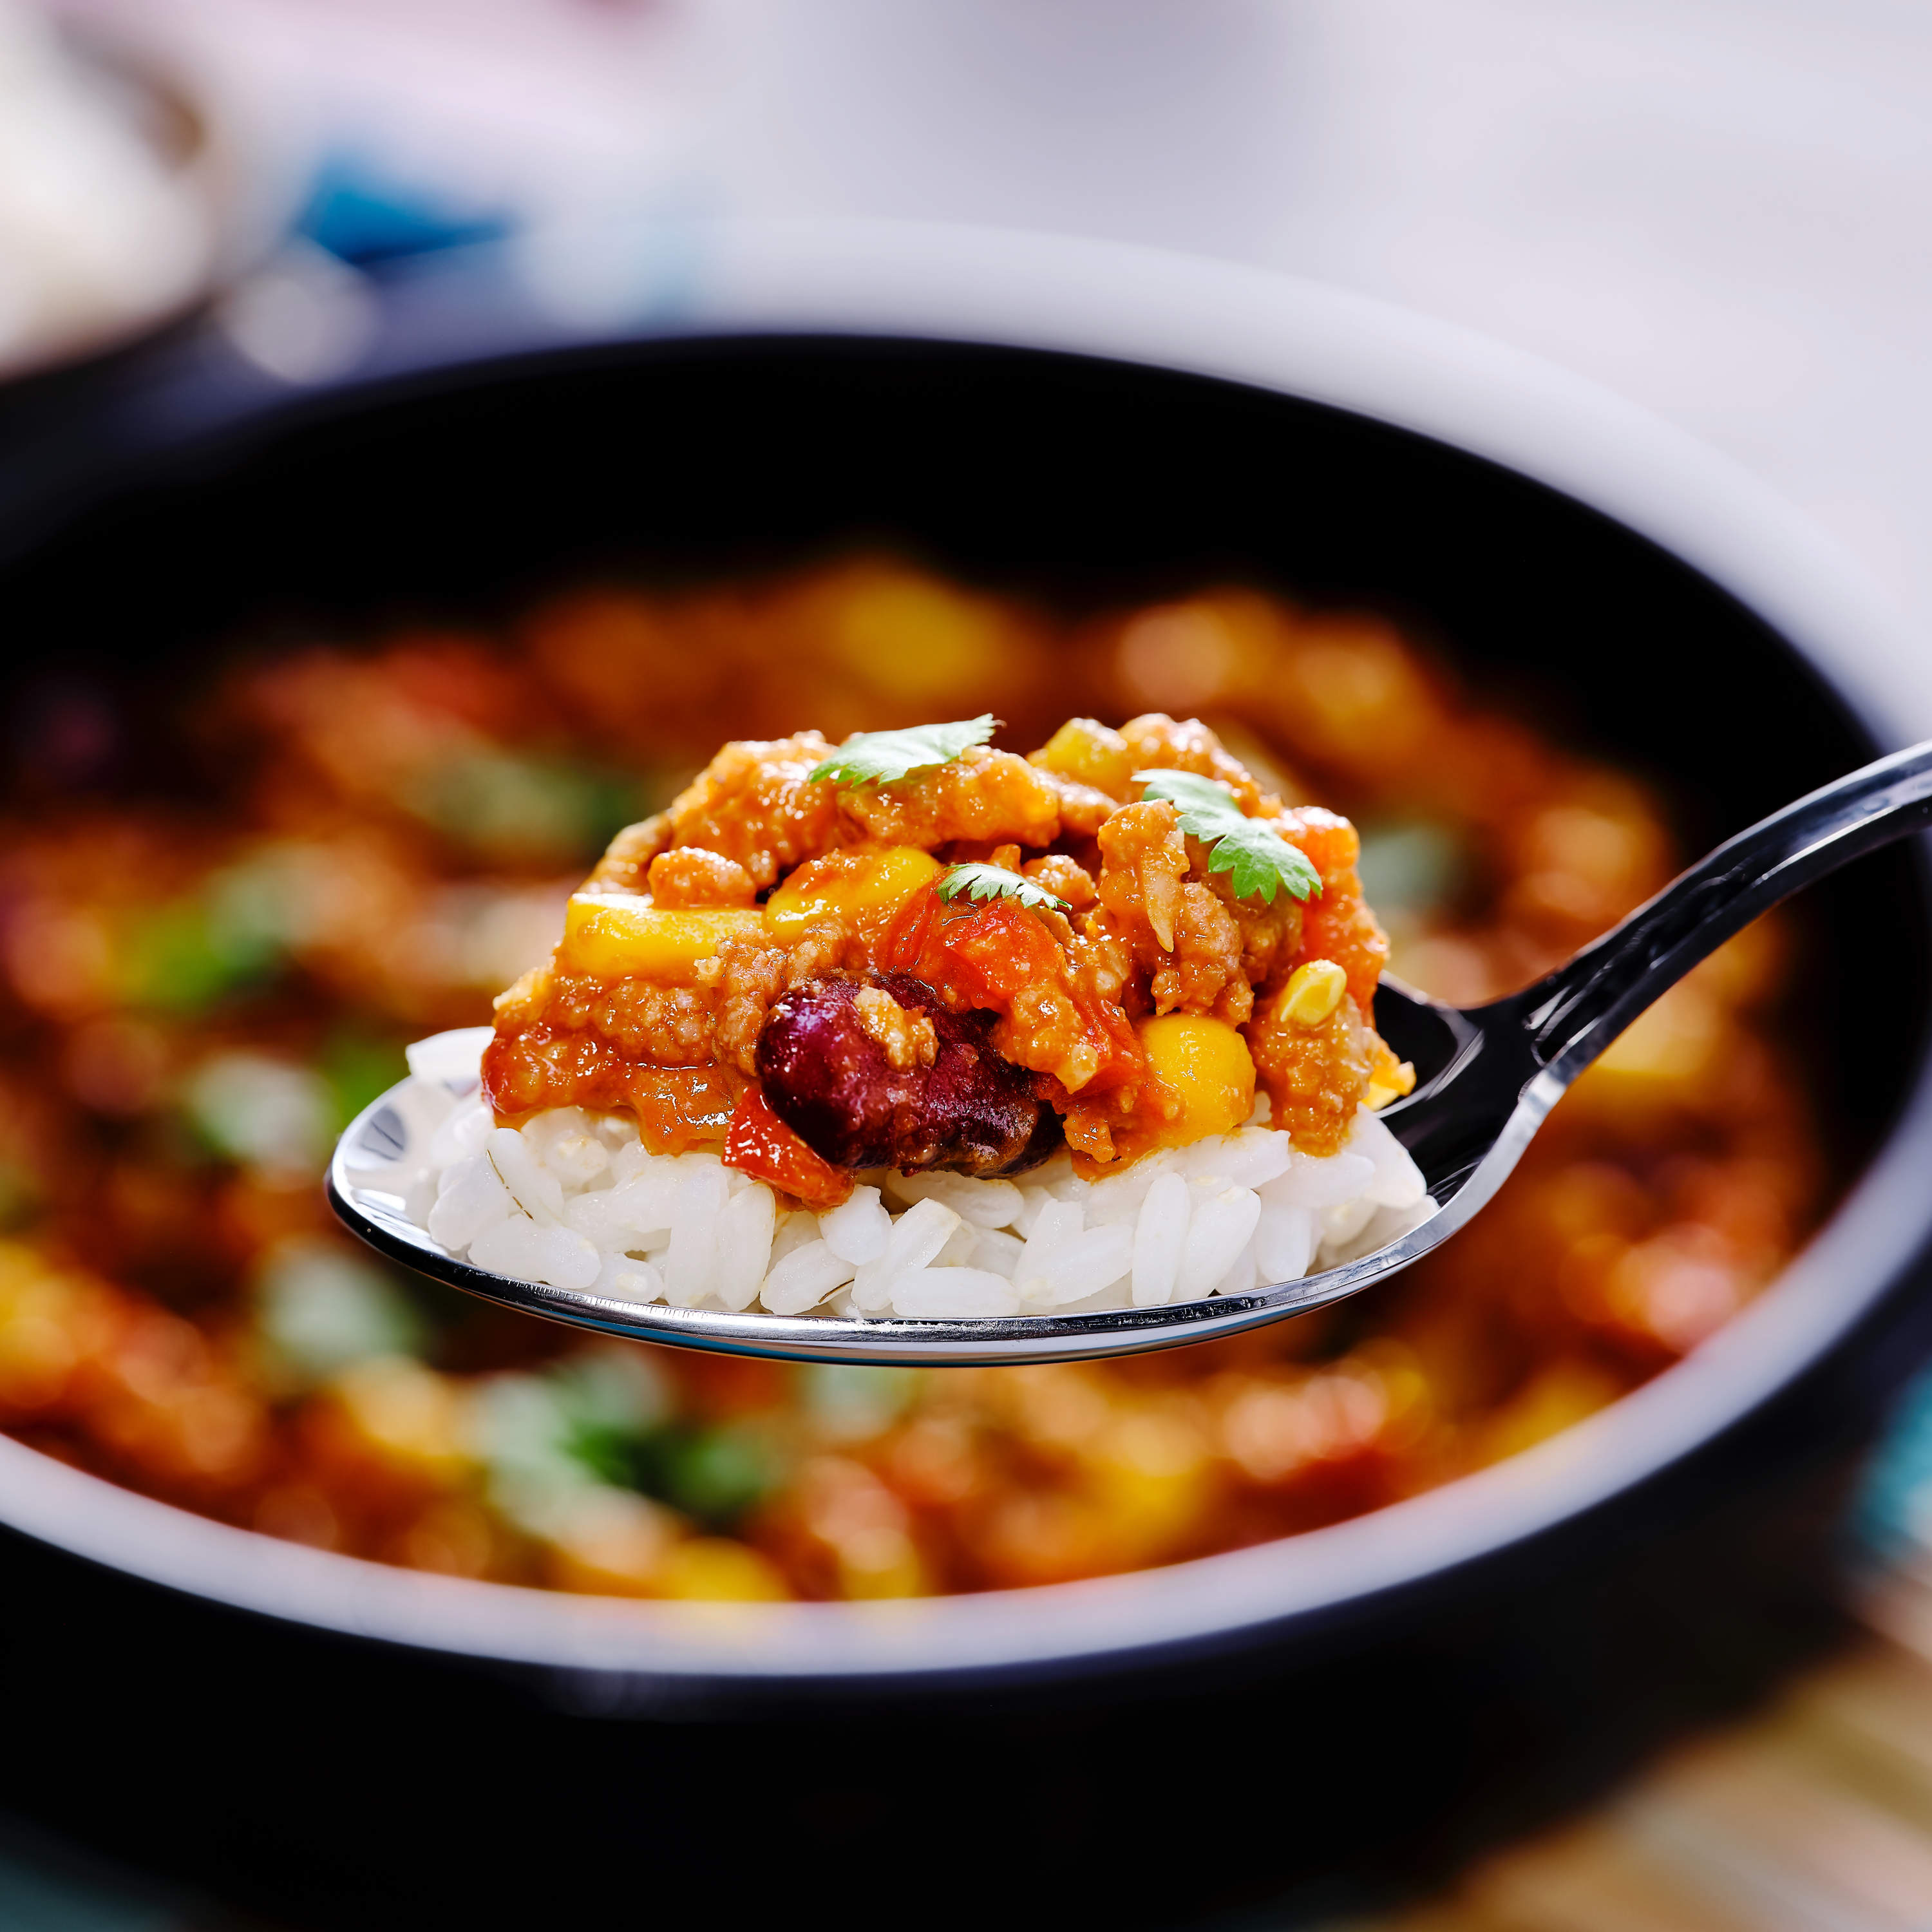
(649, 1024)
(1203, 950)
(1047, 1027)
(756, 803)
(1083, 809)
(688, 875)
(1103, 962)
(1203, 974)
(521, 1003)
(1315, 1076)
(629, 856)
(1224, 946)
(982, 794)
(751, 976)
(907, 1038)
(1066, 877)
(829, 1079)
(1158, 742)
(1337, 923)
(656, 1025)
(1270, 934)
(1144, 860)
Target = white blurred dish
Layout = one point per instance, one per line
(124, 196)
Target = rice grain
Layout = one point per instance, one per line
(575, 1200)
(1160, 1237)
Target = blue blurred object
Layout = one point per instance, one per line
(46, 1886)
(364, 216)
(1893, 1512)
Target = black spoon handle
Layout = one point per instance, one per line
(1571, 1016)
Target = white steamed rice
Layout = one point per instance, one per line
(573, 1200)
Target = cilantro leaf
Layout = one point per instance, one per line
(980, 881)
(1258, 861)
(882, 758)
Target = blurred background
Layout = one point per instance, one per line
(1714, 208)
(1723, 211)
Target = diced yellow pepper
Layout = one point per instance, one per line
(616, 934)
(856, 886)
(1382, 1092)
(716, 1570)
(1089, 753)
(1674, 1050)
(1206, 1064)
(408, 1415)
(608, 1542)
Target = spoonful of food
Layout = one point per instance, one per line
(819, 1230)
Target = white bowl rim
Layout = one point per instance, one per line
(1272, 332)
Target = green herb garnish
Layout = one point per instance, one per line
(1257, 859)
(884, 757)
(980, 881)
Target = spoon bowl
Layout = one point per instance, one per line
(1486, 1078)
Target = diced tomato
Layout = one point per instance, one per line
(1008, 950)
(758, 1143)
(1335, 924)
(1006, 946)
(1330, 842)
(679, 1108)
(1338, 926)
(986, 955)
(1126, 1059)
(908, 935)
(922, 941)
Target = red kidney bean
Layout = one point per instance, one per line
(829, 1081)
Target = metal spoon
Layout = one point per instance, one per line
(1488, 1077)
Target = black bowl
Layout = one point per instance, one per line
(1310, 1721)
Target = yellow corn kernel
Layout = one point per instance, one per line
(1313, 992)
(1206, 1064)
(615, 934)
(856, 886)
(1090, 753)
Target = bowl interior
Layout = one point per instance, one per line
(1087, 484)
